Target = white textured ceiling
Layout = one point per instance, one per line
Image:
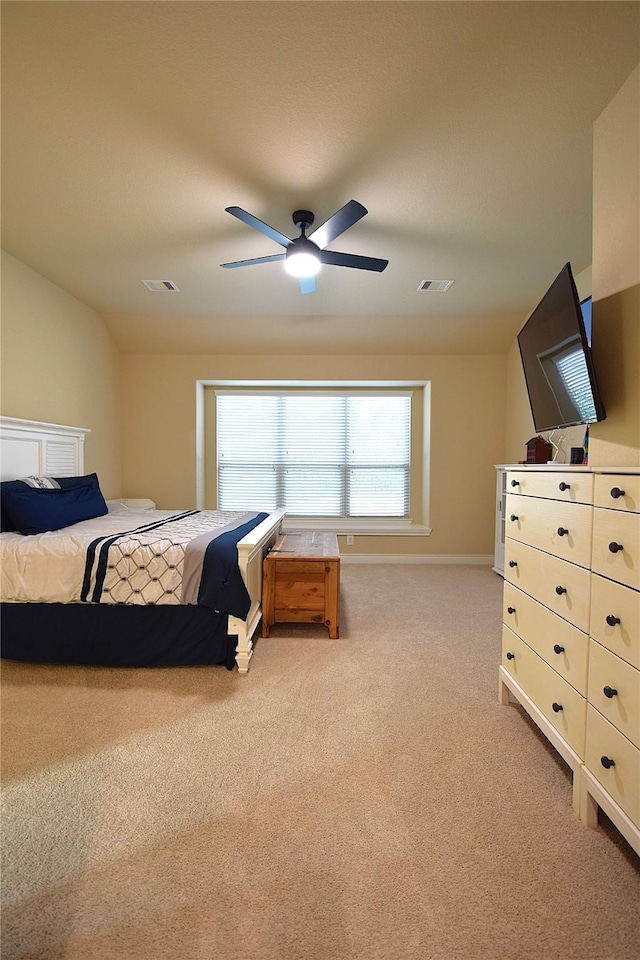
(465, 128)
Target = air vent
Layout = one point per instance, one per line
(160, 286)
(435, 286)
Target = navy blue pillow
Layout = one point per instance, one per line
(69, 483)
(33, 510)
(6, 523)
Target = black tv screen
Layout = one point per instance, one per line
(556, 357)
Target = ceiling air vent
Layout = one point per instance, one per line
(435, 286)
(160, 286)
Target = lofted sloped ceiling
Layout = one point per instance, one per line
(465, 128)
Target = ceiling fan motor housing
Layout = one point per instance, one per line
(303, 219)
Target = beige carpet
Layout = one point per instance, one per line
(361, 798)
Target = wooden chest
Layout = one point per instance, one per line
(301, 582)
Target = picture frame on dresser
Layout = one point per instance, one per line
(571, 631)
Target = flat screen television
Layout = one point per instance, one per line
(556, 358)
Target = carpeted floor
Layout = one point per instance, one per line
(357, 799)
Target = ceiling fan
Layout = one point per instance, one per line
(304, 255)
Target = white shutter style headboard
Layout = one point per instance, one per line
(29, 448)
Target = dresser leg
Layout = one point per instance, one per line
(576, 794)
(588, 807)
(503, 693)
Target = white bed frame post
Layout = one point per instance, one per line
(251, 552)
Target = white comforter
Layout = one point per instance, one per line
(50, 567)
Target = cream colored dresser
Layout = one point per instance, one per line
(571, 623)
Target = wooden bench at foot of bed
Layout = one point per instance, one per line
(302, 582)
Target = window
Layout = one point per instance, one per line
(328, 454)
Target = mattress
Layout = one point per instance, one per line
(129, 556)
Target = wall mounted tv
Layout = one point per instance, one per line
(556, 357)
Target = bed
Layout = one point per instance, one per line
(119, 583)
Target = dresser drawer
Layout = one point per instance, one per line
(615, 618)
(558, 584)
(613, 530)
(547, 689)
(617, 491)
(622, 779)
(570, 487)
(614, 690)
(563, 646)
(563, 529)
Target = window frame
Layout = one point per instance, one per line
(415, 525)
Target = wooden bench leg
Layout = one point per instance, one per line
(332, 598)
(268, 597)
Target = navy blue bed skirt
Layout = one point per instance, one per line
(115, 635)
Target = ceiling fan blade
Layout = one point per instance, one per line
(248, 263)
(344, 218)
(307, 284)
(352, 260)
(252, 221)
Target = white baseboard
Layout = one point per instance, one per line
(473, 558)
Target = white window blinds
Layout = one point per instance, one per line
(317, 454)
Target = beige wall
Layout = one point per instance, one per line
(59, 365)
(467, 433)
(616, 276)
(615, 283)
(616, 192)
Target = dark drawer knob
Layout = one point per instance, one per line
(564, 486)
(560, 590)
(513, 517)
(607, 762)
(511, 609)
(516, 483)
(557, 648)
(615, 547)
(610, 692)
(556, 707)
(562, 531)
(612, 621)
(616, 493)
(513, 563)
(511, 656)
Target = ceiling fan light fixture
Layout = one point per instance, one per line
(301, 263)
(302, 258)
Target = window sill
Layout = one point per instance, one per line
(372, 528)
